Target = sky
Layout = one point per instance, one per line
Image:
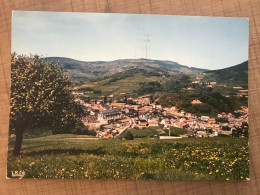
(203, 42)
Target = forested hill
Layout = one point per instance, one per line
(240, 68)
(81, 70)
(237, 74)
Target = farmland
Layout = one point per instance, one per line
(85, 157)
(128, 84)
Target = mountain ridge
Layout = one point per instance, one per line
(237, 74)
(82, 70)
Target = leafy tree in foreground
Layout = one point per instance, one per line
(40, 96)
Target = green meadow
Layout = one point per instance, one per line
(86, 157)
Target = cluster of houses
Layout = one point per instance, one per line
(239, 90)
(111, 119)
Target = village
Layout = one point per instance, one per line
(110, 119)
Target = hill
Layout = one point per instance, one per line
(81, 70)
(118, 84)
(234, 75)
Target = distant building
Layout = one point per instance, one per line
(109, 136)
(188, 115)
(153, 124)
(109, 114)
(180, 125)
(238, 87)
(118, 105)
(165, 121)
(212, 120)
(196, 82)
(127, 121)
(78, 93)
(204, 118)
(142, 125)
(194, 102)
(182, 119)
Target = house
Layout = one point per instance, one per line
(153, 124)
(109, 114)
(143, 115)
(212, 120)
(245, 109)
(190, 122)
(165, 121)
(190, 89)
(118, 105)
(108, 128)
(204, 118)
(143, 101)
(181, 125)
(173, 108)
(209, 87)
(142, 125)
(108, 136)
(94, 112)
(147, 108)
(196, 82)
(238, 87)
(182, 120)
(194, 102)
(77, 93)
(127, 121)
(202, 134)
(158, 107)
(188, 115)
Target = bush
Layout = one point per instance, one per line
(82, 130)
(129, 136)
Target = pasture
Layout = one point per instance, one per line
(85, 157)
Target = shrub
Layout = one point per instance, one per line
(129, 136)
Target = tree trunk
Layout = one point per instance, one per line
(19, 130)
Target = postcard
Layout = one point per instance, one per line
(128, 97)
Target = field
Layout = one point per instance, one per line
(151, 131)
(121, 86)
(84, 157)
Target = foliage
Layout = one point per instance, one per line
(149, 87)
(212, 103)
(40, 96)
(145, 132)
(170, 99)
(234, 75)
(129, 136)
(37, 132)
(80, 129)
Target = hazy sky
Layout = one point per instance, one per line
(205, 42)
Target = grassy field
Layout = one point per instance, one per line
(81, 157)
(145, 132)
(126, 85)
(151, 131)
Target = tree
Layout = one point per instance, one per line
(105, 99)
(129, 136)
(40, 96)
